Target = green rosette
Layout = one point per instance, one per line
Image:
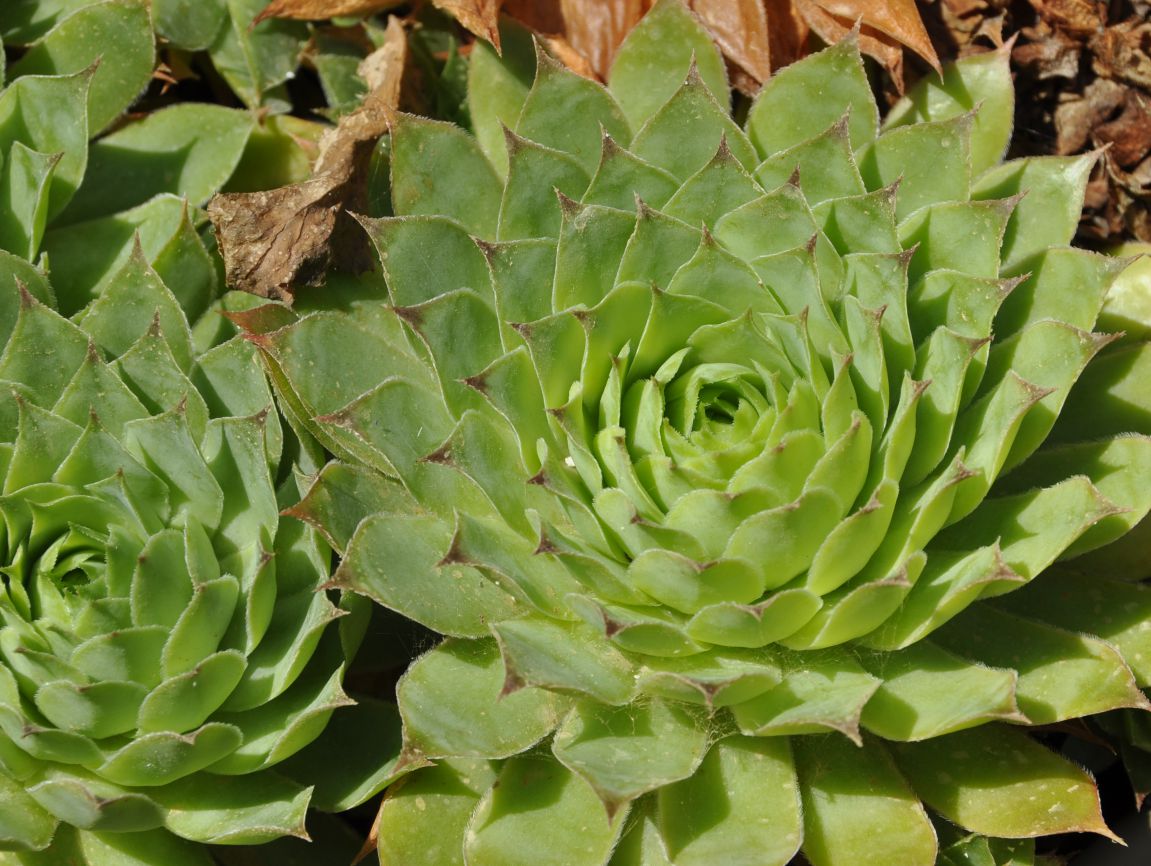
(169, 652)
(732, 461)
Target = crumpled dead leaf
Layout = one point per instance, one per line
(831, 30)
(886, 27)
(593, 29)
(1106, 114)
(317, 10)
(1079, 114)
(786, 32)
(1048, 53)
(1126, 211)
(755, 36)
(1123, 51)
(955, 26)
(275, 240)
(1128, 134)
(740, 29)
(1075, 17)
(567, 54)
(481, 17)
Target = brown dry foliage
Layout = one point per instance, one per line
(275, 240)
(316, 10)
(756, 36)
(1083, 75)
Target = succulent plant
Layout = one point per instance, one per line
(162, 642)
(731, 462)
(165, 656)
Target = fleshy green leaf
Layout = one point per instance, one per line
(188, 149)
(979, 83)
(537, 175)
(453, 704)
(424, 257)
(25, 191)
(1049, 212)
(423, 820)
(927, 692)
(539, 812)
(655, 58)
(431, 161)
(740, 807)
(75, 43)
(819, 691)
(998, 781)
(189, 24)
(396, 559)
(569, 113)
(785, 113)
(497, 88)
(140, 849)
(353, 758)
(564, 656)
(858, 806)
(47, 114)
(256, 60)
(626, 751)
(1062, 674)
(24, 824)
(84, 255)
(219, 810)
(684, 134)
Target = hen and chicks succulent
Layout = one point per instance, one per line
(767, 480)
(753, 472)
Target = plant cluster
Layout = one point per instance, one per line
(769, 480)
(166, 656)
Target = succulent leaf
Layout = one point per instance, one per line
(83, 37)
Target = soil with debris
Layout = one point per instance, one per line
(1083, 81)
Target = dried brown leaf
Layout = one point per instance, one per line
(786, 31)
(740, 29)
(898, 20)
(481, 17)
(594, 29)
(542, 16)
(275, 240)
(563, 50)
(383, 69)
(1129, 134)
(991, 28)
(371, 843)
(964, 8)
(955, 24)
(278, 238)
(545, 18)
(1076, 117)
(1123, 51)
(1048, 53)
(1075, 17)
(871, 42)
(317, 10)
